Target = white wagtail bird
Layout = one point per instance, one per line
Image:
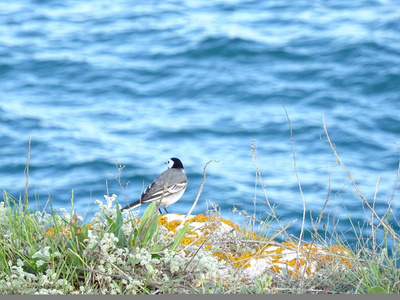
(175, 181)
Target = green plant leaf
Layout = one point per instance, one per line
(84, 232)
(74, 259)
(119, 222)
(150, 232)
(146, 231)
(146, 215)
(4, 267)
(157, 248)
(179, 236)
(377, 290)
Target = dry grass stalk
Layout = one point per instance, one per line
(198, 194)
(266, 201)
(297, 177)
(381, 222)
(118, 179)
(278, 231)
(27, 175)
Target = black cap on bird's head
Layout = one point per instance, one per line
(174, 163)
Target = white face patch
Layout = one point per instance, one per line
(170, 163)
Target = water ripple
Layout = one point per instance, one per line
(97, 82)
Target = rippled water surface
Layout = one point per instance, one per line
(104, 81)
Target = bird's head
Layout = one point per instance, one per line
(174, 163)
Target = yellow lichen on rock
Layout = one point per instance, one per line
(259, 256)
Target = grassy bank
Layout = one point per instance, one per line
(55, 253)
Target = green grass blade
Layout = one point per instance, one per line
(179, 236)
(377, 290)
(149, 233)
(118, 232)
(146, 215)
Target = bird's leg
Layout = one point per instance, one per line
(165, 210)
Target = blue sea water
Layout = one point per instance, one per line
(138, 82)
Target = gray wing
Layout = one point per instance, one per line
(175, 179)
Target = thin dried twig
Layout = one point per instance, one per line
(395, 236)
(372, 216)
(298, 180)
(197, 251)
(116, 267)
(27, 175)
(395, 183)
(198, 194)
(326, 202)
(263, 185)
(118, 179)
(201, 187)
(317, 225)
(253, 157)
(278, 232)
(295, 169)
(117, 276)
(149, 284)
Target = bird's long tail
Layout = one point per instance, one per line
(131, 206)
